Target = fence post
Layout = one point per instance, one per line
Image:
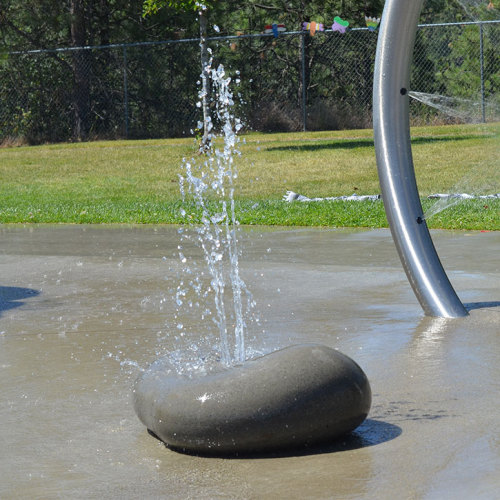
(125, 91)
(481, 59)
(303, 71)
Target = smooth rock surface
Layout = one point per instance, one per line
(297, 396)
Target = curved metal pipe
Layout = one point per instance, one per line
(395, 163)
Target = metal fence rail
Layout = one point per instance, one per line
(293, 82)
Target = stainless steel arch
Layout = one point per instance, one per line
(395, 163)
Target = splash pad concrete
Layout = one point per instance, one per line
(76, 301)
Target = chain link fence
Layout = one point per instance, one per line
(289, 83)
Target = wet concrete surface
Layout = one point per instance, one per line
(83, 307)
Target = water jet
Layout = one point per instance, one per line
(299, 396)
(309, 394)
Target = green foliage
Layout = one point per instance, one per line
(469, 215)
(58, 96)
(462, 71)
(153, 6)
(46, 23)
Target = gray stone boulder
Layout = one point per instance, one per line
(298, 396)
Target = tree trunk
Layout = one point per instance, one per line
(305, 76)
(104, 22)
(81, 71)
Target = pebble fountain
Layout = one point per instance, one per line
(304, 394)
(298, 396)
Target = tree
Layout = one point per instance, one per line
(201, 7)
(81, 72)
(60, 94)
(78, 94)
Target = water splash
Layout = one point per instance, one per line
(481, 179)
(442, 204)
(208, 181)
(467, 110)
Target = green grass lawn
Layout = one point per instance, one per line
(137, 181)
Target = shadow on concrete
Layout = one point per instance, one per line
(369, 433)
(360, 143)
(481, 305)
(13, 296)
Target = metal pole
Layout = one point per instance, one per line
(303, 70)
(395, 163)
(481, 58)
(125, 91)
